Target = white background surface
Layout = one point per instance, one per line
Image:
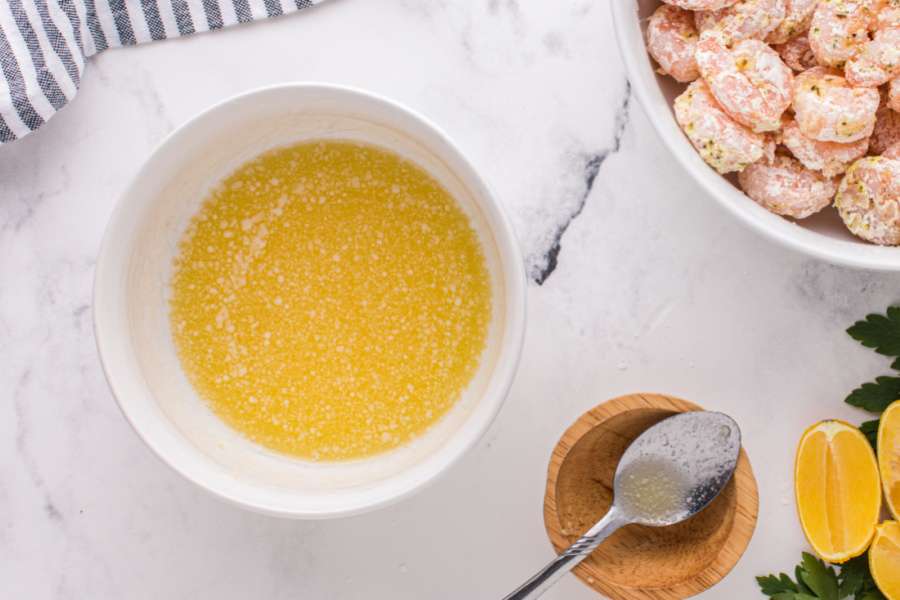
(656, 289)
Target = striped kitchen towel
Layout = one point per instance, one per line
(44, 43)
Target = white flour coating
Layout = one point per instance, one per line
(748, 19)
(839, 29)
(723, 143)
(798, 16)
(700, 4)
(879, 60)
(787, 188)
(831, 158)
(671, 41)
(750, 81)
(868, 200)
(829, 109)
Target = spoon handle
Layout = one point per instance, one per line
(571, 556)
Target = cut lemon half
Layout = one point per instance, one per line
(884, 559)
(838, 490)
(889, 456)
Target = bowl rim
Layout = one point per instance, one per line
(376, 494)
(850, 253)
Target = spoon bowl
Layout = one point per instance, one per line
(676, 468)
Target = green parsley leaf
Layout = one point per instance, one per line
(856, 580)
(881, 332)
(798, 573)
(816, 580)
(853, 573)
(770, 585)
(875, 396)
(820, 579)
(870, 430)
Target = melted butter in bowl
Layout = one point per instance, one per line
(308, 302)
(330, 300)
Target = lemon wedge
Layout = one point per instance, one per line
(884, 559)
(838, 490)
(889, 456)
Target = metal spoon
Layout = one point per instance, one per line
(672, 471)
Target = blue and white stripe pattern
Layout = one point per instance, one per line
(45, 43)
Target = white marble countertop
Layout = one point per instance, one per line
(639, 283)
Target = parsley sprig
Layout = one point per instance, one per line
(815, 580)
(882, 334)
(879, 332)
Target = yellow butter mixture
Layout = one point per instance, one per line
(330, 300)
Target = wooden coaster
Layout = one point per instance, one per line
(638, 562)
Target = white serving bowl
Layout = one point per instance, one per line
(131, 303)
(823, 236)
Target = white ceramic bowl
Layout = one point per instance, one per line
(823, 235)
(131, 307)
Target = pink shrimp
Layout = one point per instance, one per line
(751, 82)
(888, 14)
(671, 40)
(878, 61)
(700, 4)
(868, 200)
(828, 109)
(748, 19)
(798, 16)
(831, 158)
(786, 187)
(839, 29)
(723, 143)
(797, 54)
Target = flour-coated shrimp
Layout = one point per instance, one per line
(722, 142)
(868, 200)
(878, 61)
(892, 152)
(839, 29)
(700, 4)
(830, 158)
(750, 81)
(888, 14)
(797, 54)
(798, 16)
(671, 40)
(786, 187)
(829, 109)
(748, 19)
